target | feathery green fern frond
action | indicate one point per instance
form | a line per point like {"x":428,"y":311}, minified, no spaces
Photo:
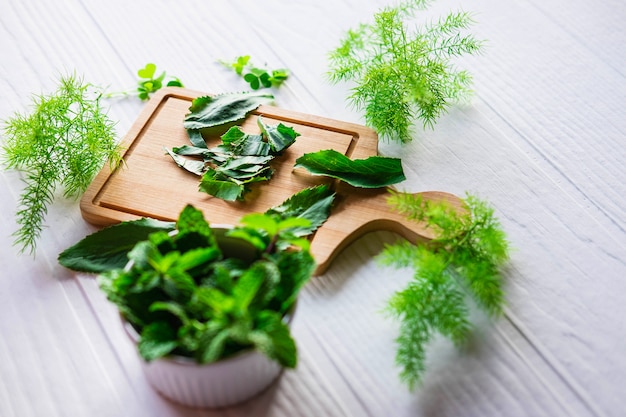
{"x":63,"y":142}
{"x":465,"y":258}
{"x":403,"y":73}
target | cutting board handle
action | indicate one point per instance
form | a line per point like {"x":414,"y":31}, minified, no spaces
{"x":361,"y":211}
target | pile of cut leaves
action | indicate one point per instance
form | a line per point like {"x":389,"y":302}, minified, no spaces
{"x":242,"y":159}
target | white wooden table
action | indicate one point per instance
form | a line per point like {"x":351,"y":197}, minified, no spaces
{"x":542,"y":140}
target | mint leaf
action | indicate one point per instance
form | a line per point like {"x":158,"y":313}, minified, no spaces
{"x":372,"y":172}
{"x":219,"y":110}
{"x":296,"y":267}
{"x":157,"y":340}
{"x":312,"y":204}
{"x":106,"y":249}
{"x":273,"y":338}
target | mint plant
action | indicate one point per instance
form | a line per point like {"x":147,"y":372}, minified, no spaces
{"x":186,"y":296}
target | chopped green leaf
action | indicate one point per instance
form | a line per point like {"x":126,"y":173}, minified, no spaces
{"x":193,"y":166}
{"x":279,"y":137}
{"x":220,"y":110}
{"x":223,"y":189}
{"x":196,"y":139}
{"x":372,"y":172}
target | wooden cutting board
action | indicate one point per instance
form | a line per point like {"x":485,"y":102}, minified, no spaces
{"x":150,"y":184}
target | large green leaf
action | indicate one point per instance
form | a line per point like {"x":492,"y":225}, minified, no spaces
{"x":372,"y":172}
{"x":106,"y":249}
{"x":312,"y":204}
{"x":211,"y":111}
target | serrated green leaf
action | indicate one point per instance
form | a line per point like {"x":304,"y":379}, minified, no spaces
{"x":212,"y":351}
{"x":279,"y":137}
{"x":261,"y":222}
{"x":372,"y":172}
{"x":313,"y":204}
{"x":226,"y":190}
{"x":207,"y":112}
{"x":233,"y":135}
{"x":107,"y":248}
{"x":190,"y":165}
{"x":248,"y":285}
{"x":272,"y":337}
{"x":172,"y":307}
{"x":196,"y":138}
{"x":216,"y":300}
{"x":296,"y":267}
{"x":157,"y":340}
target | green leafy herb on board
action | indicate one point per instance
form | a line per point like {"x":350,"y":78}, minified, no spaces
{"x":108,"y":248}
{"x":255,"y":76}
{"x":372,"y":172}
{"x":404,"y":73}
{"x":63,"y":143}
{"x":186,"y":295}
{"x":240,"y":160}
{"x":466,"y":257}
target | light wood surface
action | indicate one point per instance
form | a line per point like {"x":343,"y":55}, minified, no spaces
{"x":543,"y":139}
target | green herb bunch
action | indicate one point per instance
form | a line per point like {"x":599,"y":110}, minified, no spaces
{"x":255,"y":76}
{"x":465,"y":258}
{"x":403,"y":73}
{"x":63,"y":143}
{"x":187,"y":295}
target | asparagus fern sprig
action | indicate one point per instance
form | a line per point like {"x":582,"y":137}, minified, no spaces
{"x":403,"y":73}
{"x":62,"y":143}
{"x":466,"y":257}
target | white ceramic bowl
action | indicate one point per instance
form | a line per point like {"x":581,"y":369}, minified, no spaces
{"x":219,"y":384}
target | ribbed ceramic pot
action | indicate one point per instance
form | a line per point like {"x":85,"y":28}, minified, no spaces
{"x":219,"y":384}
